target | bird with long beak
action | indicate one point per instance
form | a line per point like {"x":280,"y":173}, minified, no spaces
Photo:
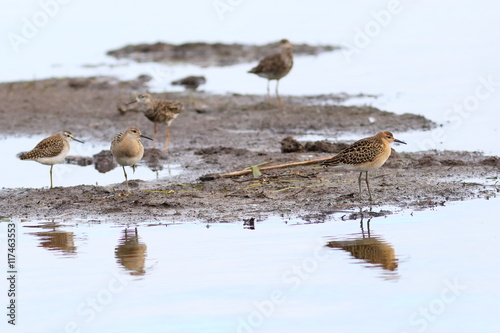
{"x":364,"y":155}
{"x":51,"y":150}
{"x":159,"y":112}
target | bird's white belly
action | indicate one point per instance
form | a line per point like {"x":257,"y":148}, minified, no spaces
{"x":269,"y":76}
{"x":128,"y":161}
{"x":55,"y":159}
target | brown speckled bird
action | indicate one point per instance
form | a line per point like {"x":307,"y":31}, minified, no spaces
{"x":275,"y":67}
{"x":364,"y":155}
{"x":158,"y":111}
{"x":127,"y":149}
{"x":51,"y":150}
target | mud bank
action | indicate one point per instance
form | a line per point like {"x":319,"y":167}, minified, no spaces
{"x":206,"y":54}
{"x":223,"y":133}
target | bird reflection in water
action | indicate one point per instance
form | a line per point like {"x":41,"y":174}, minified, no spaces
{"x":131,"y":253}
{"x":56,"y":240}
{"x":369,"y":248}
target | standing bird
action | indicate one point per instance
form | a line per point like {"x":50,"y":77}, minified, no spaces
{"x":275,"y":66}
{"x":127,"y":149}
{"x":158,"y":111}
{"x":364,"y":155}
{"x":51,"y":150}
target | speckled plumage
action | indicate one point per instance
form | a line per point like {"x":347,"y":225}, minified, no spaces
{"x":51,"y":150}
{"x":54,"y":148}
{"x":275,"y":66}
{"x":127,"y":149}
{"x":364,"y":155}
{"x":159,"y":111}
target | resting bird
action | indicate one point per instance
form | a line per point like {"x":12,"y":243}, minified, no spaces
{"x":190,"y":82}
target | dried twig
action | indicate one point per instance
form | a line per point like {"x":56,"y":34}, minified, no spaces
{"x":279,"y":166}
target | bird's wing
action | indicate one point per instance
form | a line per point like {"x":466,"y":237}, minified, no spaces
{"x":267,"y":64}
{"x":354,"y":154}
{"x":174,"y":107}
{"x":50,"y":147}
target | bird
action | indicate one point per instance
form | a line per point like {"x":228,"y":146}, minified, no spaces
{"x":158,"y":111}
{"x":190,"y":82}
{"x":51,"y":150}
{"x":127,"y":149}
{"x":364,"y":155}
{"x":275,"y":67}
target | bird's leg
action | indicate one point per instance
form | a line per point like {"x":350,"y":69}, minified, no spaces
{"x":368,"y":185}
{"x":359,"y":184}
{"x":51,"y":176}
{"x":268,"y":93}
{"x":280,"y":102}
{"x":154,"y":136}
{"x":167,"y":139}
{"x":126,"y":178}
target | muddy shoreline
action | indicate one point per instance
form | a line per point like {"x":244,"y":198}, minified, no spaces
{"x":224,"y":133}
{"x":209,"y":54}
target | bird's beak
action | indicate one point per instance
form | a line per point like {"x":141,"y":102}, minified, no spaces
{"x":78,"y":140}
{"x":131,"y":102}
{"x":399,"y":141}
{"x":146,"y":137}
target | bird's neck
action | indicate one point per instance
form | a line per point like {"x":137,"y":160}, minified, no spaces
{"x":286,"y":52}
{"x":287,"y":57}
{"x":146,"y":106}
{"x":387,"y":148}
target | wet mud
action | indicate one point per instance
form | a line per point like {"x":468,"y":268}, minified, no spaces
{"x":217,"y":134}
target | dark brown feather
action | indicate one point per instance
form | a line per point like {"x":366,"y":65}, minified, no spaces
{"x":357,"y":153}
{"x":162,"y":111}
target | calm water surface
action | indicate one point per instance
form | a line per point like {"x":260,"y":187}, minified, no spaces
{"x":432,"y":271}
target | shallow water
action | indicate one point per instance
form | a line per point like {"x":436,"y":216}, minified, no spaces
{"x":33,"y":174}
{"x":432,"y":271}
